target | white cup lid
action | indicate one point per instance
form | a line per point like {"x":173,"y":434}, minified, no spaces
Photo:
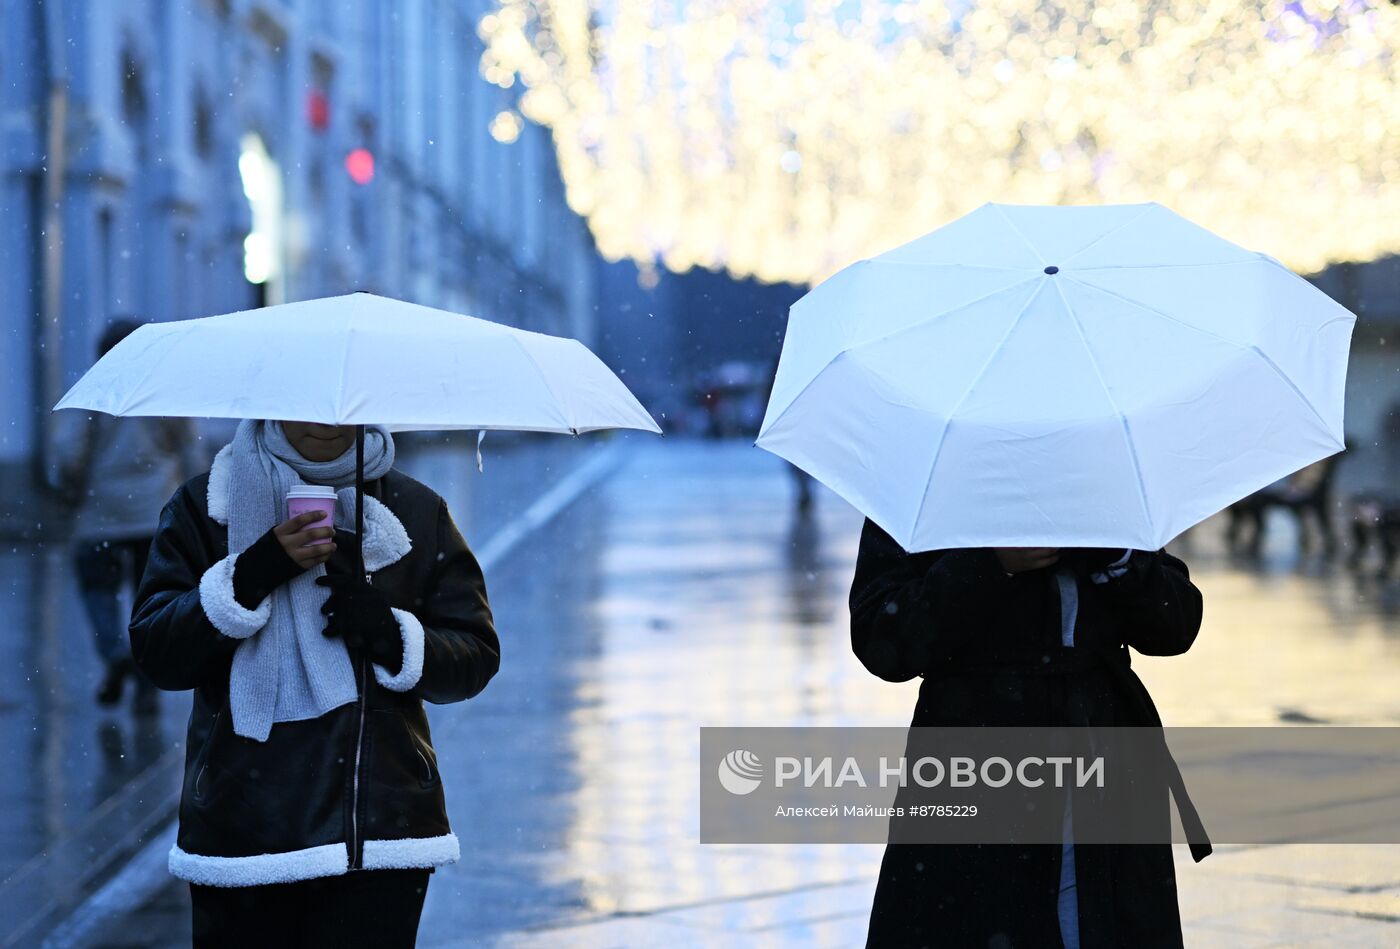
{"x":311,"y":491}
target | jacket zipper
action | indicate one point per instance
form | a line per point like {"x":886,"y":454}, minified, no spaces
{"x":356,"y":854}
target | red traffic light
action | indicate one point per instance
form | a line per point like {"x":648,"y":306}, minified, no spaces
{"x":359,"y":164}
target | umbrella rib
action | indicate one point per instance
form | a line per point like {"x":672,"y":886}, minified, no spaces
{"x":942,"y":313}
{"x":1294,"y":386}
{"x":880,"y":339}
{"x":340,"y":386}
{"x":800,"y":392}
{"x":1202,"y":263}
{"x":1236,"y":343}
{"x":1122,"y":417}
{"x":972,"y":384}
{"x":155,"y":364}
{"x":544,"y":380}
{"x":1111,"y":231}
{"x":939,"y":263}
{"x":1019,"y":233}
{"x":1154,"y":311}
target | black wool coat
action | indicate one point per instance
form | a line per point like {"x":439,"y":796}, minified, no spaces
{"x":358,"y":787}
{"x":977,"y":637}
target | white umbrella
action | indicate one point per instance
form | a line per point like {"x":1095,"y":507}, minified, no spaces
{"x":359,"y":359}
{"x":1058,"y":376}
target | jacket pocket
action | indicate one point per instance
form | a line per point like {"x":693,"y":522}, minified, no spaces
{"x":428,"y":774}
{"x":201,"y":774}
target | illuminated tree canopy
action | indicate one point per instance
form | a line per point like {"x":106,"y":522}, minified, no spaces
{"x":785,"y":140}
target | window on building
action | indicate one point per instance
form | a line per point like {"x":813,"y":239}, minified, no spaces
{"x":203,"y":125}
{"x":133,"y":88}
{"x":361,"y":173}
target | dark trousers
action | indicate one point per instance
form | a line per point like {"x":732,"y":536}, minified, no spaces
{"x":102,"y":567}
{"x":365,"y":908}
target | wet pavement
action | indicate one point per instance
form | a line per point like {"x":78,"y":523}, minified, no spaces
{"x":89,"y":786}
{"x":684,"y":591}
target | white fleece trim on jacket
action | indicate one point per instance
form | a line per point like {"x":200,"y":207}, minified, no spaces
{"x":217,"y":497}
{"x":229,"y":616}
{"x":311,"y":863}
{"x":328,"y":860}
{"x":411,"y":852}
{"x":386,"y":540}
{"x":411,"y":629}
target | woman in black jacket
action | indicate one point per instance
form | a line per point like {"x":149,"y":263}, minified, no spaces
{"x":312,"y":810}
{"x":1024,"y":637}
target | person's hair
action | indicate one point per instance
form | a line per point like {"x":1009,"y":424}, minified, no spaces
{"x":118,"y":329}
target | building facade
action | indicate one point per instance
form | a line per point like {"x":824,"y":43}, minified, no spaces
{"x":179,"y":158}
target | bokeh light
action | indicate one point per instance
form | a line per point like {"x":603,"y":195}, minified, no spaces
{"x":359,"y":165}
{"x":505,"y":127}
{"x":786,"y":140}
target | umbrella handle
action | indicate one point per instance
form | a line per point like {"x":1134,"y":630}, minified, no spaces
{"x":359,"y":500}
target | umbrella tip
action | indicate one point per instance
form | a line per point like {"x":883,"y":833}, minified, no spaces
{"x":1052,"y":270}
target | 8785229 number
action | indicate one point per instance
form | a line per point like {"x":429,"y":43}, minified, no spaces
{"x":942,"y":810}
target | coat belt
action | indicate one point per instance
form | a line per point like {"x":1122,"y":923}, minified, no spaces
{"x":1062,"y":661}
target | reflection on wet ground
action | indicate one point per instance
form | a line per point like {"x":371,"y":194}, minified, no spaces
{"x":684,"y":591}
{"x":1289,"y":639}
{"x":80,"y":779}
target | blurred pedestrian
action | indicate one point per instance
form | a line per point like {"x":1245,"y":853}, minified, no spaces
{"x":312,"y":811}
{"x":1023,"y":637}
{"x":121,"y":472}
{"x":801,"y":480}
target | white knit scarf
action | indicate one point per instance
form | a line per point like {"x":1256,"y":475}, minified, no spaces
{"x":290,"y":671}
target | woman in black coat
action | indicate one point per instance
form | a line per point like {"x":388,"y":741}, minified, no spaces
{"x":312,"y":810}
{"x":1014,"y":637}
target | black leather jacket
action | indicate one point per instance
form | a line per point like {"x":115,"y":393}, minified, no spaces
{"x":358,"y":787}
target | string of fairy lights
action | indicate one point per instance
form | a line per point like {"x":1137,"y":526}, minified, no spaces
{"x":785,"y":140}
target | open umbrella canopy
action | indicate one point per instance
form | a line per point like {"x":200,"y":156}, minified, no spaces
{"x":360,"y":359}
{"x":1058,"y":376}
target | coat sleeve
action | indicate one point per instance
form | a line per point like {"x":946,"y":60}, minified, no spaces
{"x":173,"y":640}
{"x":459,"y":648}
{"x":908,"y":614}
{"x":1159,"y":606}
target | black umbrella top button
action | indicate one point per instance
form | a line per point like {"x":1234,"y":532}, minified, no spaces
{"x":1052,"y":269}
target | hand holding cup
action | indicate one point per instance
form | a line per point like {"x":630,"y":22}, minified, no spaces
{"x":281,"y":554}
{"x":307,"y":545}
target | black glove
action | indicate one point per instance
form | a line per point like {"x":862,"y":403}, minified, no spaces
{"x":359,"y":614}
{"x":262,"y":568}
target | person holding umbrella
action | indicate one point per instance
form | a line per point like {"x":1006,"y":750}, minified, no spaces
{"x":1017,"y":636}
{"x":1029,"y":403}
{"x":312,"y":811}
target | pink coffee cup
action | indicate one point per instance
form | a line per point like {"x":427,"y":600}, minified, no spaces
{"x":313,"y":497}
